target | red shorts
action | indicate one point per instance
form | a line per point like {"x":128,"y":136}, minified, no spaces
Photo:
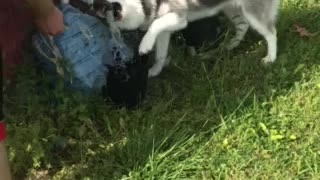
{"x":14,"y":21}
{"x":2,"y":131}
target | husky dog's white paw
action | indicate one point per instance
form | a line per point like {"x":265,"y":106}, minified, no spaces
{"x":155,"y":70}
{"x":267,"y":60}
{"x":146,"y":44}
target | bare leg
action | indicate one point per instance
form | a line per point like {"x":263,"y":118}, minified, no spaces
{"x":4,"y":164}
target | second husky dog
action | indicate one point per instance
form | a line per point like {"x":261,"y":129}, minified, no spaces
{"x":160,"y":18}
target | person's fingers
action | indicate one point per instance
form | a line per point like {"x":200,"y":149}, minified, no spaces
{"x":53,"y":24}
{"x":57,"y":25}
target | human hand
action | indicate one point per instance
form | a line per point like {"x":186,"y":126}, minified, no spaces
{"x":52,"y":24}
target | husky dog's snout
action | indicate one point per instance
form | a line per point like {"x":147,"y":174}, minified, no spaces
{"x":117,"y":11}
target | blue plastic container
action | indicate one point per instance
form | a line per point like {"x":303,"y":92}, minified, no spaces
{"x":85,"y":47}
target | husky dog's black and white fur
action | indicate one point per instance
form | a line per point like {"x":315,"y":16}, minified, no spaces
{"x":162,"y":17}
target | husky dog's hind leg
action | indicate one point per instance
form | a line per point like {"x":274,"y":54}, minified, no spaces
{"x":261,"y":15}
{"x":235,"y":14}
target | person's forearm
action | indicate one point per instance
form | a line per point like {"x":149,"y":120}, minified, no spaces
{"x":40,"y":8}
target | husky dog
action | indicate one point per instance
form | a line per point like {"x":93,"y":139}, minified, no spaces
{"x":160,"y":18}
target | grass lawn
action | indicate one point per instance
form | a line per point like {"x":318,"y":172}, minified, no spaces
{"x":221,"y":115}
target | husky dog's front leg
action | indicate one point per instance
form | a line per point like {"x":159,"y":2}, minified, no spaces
{"x":169,"y":22}
{"x":162,"y":45}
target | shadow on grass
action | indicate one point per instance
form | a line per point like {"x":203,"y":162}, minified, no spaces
{"x":75,"y":137}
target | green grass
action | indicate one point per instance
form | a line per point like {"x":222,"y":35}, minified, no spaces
{"x":218,"y":116}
